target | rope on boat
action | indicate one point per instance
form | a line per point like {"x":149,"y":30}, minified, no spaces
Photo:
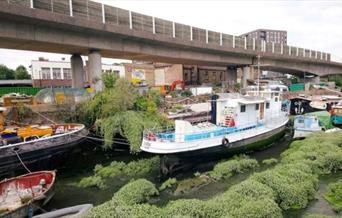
{"x":105,"y":140}
{"x":21,"y":161}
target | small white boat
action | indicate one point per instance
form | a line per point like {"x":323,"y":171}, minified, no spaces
{"x":305,"y":125}
{"x":68,"y":212}
{"x":319,"y":105}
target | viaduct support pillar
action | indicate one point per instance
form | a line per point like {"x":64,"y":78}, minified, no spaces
{"x":231,"y":75}
{"x":245,"y":76}
{"x":317,"y":79}
{"x":76,"y":71}
{"x":95,"y":70}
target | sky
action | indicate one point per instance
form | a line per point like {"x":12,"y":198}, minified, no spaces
{"x":314,"y":24}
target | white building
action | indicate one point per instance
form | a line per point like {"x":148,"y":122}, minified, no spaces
{"x":47,"y":73}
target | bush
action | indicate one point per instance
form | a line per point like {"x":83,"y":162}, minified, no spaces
{"x":118,"y":209}
{"x":270,"y":161}
{"x":334,"y":195}
{"x":169,"y":183}
{"x":249,"y":199}
{"x":290,"y":194}
{"x":257,"y":209}
{"x":228,"y":168}
{"x":134,"y":169}
{"x":138,"y":191}
{"x":192,"y":208}
{"x":291,"y":184}
{"x":318,"y":216}
{"x":336,"y":189}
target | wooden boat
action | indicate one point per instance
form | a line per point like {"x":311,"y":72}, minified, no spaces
{"x":75,"y":211}
{"x":37,"y":147}
{"x":21,"y":195}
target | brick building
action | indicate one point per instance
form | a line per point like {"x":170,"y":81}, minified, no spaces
{"x":276,"y":36}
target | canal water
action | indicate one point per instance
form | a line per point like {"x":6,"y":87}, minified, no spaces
{"x":68,"y":193}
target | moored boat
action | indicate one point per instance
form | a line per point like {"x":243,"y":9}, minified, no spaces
{"x":309,"y":123}
{"x":238,"y":122}
{"x":336,"y":114}
{"x":74,"y":211}
{"x":37,"y":147}
{"x":21,"y":195}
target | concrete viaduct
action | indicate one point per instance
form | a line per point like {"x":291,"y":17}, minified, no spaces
{"x":83,"y":27}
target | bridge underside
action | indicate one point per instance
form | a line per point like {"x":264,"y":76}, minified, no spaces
{"x":37,"y":30}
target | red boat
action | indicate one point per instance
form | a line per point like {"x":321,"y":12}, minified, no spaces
{"x":24,"y":194}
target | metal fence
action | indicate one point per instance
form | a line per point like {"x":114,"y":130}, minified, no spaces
{"x":98,"y":12}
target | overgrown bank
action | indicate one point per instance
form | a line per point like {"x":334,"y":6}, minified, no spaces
{"x":120,"y":110}
{"x":291,"y":184}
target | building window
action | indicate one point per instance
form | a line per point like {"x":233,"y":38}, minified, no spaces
{"x":46,"y":73}
{"x":243,"y":108}
{"x":56,"y":72}
{"x":257,"y":107}
{"x":116,"y":73}
{"x":267,"y":105}
{"x":67,"y":73}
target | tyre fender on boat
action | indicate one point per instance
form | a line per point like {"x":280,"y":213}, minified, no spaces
{"x":225,"y":142}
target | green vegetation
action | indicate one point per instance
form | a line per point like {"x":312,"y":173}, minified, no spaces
{"x":291,"y":184}
{"x":228,"y":168}
{"x":6,"y":73}
{"x":127,"y":202}
{"x":134,"y":169}
{"x":337,"y":79}
{"x":270,"y":161}
{"x":169,"y":183}
{"x":119,"y":109}
{"x":19,"y":73}
{"x":318,"y":216}
{"x":136,"y":192}
{"x":334,"y":196}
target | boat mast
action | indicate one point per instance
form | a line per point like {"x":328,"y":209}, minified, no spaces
{"x":258,"y":87}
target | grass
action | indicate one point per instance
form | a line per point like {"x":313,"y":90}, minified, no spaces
{"x":331,"y":198}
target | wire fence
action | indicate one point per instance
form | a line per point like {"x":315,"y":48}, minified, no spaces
{"x":98,"y":12}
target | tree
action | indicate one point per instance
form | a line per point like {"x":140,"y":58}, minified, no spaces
{"x":6,"y":73}
{"x":21,"y":73}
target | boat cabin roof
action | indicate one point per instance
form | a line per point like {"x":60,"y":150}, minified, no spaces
{"x":241,"y":99}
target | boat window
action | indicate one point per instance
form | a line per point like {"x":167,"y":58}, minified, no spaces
{"x":257,"y":107}
{"x":267,"y":105}
{"x":276,"y":99}
{"x":243,"y":108}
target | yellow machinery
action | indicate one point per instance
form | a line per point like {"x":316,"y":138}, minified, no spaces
{"x":29,"y":131}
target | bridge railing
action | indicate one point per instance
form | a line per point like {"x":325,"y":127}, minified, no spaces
{"x":99,"y":12}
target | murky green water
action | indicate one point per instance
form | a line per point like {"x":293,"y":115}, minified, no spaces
{"x":80,"y":165}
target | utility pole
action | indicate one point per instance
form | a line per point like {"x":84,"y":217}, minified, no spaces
{"x":258,"y":88}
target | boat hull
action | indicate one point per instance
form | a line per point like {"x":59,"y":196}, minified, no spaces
{"x":245,"y":145}
{"x":43,"y":154}
{"x":27,"y":210}
{"x":172,"y":163}
{"x":300,"y":134}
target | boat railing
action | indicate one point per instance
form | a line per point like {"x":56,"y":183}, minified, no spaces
{"x":168,"y":135}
